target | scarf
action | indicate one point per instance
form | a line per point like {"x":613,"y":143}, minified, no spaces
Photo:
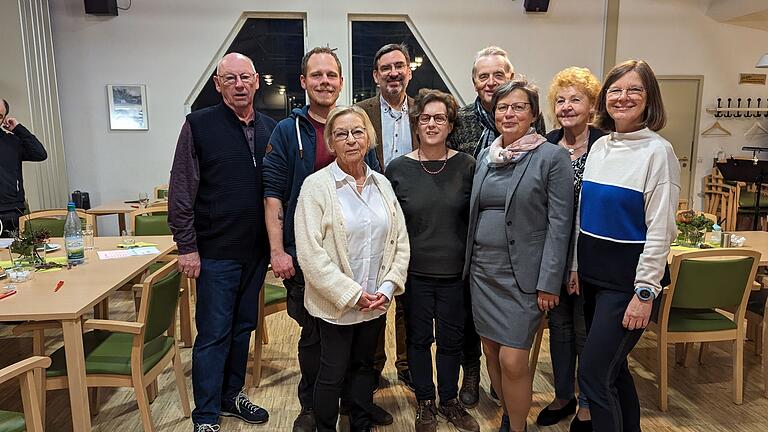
{"x":489,"y":127}
{"x":499,"y":156}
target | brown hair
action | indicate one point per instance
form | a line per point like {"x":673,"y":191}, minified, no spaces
{"x":519,"y":84}
{"x":426,"y":96}
{"x":654,"y":116}
{"x":319,"y":50}
{"x":388,"y":48}
{"x":339,"y":111}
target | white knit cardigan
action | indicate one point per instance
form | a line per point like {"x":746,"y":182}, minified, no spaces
{"x":323,"y":252}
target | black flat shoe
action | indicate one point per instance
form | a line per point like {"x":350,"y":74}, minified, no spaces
{"x":581,"y":425}
{"x":549,"y":417}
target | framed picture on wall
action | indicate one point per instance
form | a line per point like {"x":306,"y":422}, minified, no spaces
{"x":127,"y":107}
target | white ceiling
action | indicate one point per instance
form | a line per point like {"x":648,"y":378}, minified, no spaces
{"x":746,"y":13}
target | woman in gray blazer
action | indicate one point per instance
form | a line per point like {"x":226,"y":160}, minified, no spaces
{"x":520,"y":222}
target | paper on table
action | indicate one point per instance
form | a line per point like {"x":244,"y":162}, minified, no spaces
{"x":135,"y":245}
{"x":125,"y":253}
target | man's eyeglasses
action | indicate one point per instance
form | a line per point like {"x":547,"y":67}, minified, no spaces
{"x":231,"y":79}
{"x":340,"y":135}
{"x":518,"y":107}
{"x":398,"y":67}
{"x":440,"y":119}
{"x":614,"y":93}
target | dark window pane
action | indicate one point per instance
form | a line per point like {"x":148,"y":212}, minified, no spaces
{"x":276,"y":47}
{"x":368,"y":37}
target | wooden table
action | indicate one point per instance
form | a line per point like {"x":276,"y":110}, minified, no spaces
{"x":119,"y":208}
{"x":757,"y":240}
{"x":84,"y":286}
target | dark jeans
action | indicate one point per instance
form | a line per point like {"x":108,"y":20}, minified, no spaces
{"x":10,"y":220}
{"x":309,"y":339}
{"x":346,"y":365}
{"x":471,"y":351}
{"x":603,"y":372}
{"x":439,"y":303}
{"x":567,"y":335}
{"x":401,"y":363}
{"x":226,"y":314}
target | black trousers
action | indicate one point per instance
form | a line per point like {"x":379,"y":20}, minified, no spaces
{"x":603,"y":370}
{"x":346,"y":366}
{"x":10,"y":220}
{"x":471,"y":351}
{"x":434,"y":303}
{"x":309,"y":339}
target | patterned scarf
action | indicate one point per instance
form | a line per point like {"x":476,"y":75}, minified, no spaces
{"x":499,"y":156}
{"x":489,"y":127}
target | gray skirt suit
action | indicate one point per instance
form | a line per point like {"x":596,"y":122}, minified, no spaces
{"x":520,"y":225}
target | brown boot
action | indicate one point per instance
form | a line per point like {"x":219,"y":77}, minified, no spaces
{"x":454,"y":412}
{"x":426,"y":416}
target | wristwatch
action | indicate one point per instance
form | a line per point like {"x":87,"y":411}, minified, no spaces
{"x":645,"y":294}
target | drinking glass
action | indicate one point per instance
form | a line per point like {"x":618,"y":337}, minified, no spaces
{"x":126,"y":238}
{"x":88,"y":236}
{"x":144,"y":199}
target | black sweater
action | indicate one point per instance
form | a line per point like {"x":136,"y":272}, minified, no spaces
{"x":16,"y":147}
{"x":436,"y":209}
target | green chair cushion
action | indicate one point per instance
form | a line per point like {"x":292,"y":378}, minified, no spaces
{"x":110,"y":353}
{"x":747,"y":200}
{"x":155,"y":266}
{"x":274,"y":294}
{"x":12,"y":422}
{"x":698,"y":320}
{"x":55,"y":226}
{"x":154,"y":224}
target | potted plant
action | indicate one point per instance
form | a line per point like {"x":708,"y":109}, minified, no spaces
{"x":25,"y":247}
{"x":692,"y":228}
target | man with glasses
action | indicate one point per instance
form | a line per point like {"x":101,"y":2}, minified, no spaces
{"x":388,"y":112}
{"x":297,"y":149}
{"x":216,"y":214}
{"x":477,"y":130}
{"x":16,"y":145}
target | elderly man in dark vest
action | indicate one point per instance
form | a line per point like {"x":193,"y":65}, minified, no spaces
{"x":216,"y":214}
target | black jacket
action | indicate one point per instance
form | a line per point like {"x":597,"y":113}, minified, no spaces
{"x":15,"y":148}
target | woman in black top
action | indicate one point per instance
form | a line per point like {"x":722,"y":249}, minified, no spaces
{"x":433,"y":185}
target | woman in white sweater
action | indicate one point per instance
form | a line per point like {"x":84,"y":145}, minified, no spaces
{"x":352,"y":244}
{"x":628,"y":200}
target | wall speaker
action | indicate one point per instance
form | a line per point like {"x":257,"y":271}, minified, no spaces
{"x":101,"y":7}
{"x":536,"y":5}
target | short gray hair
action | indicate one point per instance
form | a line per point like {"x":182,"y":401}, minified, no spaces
{"x":518,"y":84}
{"x":492,"y":51}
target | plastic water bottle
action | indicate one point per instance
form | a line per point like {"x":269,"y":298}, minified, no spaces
{"x":73,"y":237}
{"x":717,"y":236}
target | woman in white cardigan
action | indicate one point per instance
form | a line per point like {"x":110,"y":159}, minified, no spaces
{"x":352,"y":244}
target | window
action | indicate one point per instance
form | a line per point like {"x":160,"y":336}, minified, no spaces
{"x":368,"y":37}
{"x":276,"y":47}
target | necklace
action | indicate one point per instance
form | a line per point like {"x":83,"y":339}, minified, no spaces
{"x":445,"y":162}
{"x":572,"y":150}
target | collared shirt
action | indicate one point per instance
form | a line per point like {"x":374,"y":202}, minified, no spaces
{"x":366,"y":224}
{"x":395,"y":131}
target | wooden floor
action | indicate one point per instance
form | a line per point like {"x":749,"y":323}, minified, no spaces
{"x":699,"y":400}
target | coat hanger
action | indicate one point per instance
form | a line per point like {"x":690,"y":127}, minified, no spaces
{"x":756,"y":129}
{"x":716,"y":130}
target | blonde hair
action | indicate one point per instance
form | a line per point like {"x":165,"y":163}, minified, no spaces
{"x":339,"y":111}
{"x":581,"y":78}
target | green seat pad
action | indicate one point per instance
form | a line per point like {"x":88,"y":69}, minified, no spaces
{"x":155,"y":266}
{"x":274,"y":294}
{"x":698,"y":320}
{"x":154,"y":224}
{"x":110,"y":353}
{"x":11,"y":422}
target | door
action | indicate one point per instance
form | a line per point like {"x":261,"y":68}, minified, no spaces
{"x":681,"y":97}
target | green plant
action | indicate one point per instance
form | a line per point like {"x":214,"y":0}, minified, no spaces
{"x":26,"y":243}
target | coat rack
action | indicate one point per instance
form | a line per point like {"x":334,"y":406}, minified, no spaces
{"x":748,"y":111}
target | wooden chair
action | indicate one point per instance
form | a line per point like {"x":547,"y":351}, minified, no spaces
{"x":272,"y":299}
{"x":28,"y":371}
{"x":758,"y":319}
{"x":703,"y":283}
{"x":720,"y":199}
{"x":130,"y":354}
{"x":53,"y":220}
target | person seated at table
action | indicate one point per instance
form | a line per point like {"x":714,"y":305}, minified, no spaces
{"x":352,"y":244}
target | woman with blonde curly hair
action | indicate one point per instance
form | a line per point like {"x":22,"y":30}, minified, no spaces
{"x":573,"y":97}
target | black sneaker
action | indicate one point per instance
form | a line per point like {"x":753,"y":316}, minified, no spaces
{"x":241,"y":407}
{"x":469,"y":395}
{"x":549,"y":416}
{"x":205,"y":427}
{"x":404,"y":376}
{"x":453,"y":411}
{"x":305,"y":421}
{"x":426,"y":416}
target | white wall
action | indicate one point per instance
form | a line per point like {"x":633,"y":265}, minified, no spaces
{"x":676,"y":38}
{"x":168,"y":44}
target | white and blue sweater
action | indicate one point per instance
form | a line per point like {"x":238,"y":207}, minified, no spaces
{"x":627,"y":211}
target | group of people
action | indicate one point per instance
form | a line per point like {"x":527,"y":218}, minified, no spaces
{"x":466,"y":218}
